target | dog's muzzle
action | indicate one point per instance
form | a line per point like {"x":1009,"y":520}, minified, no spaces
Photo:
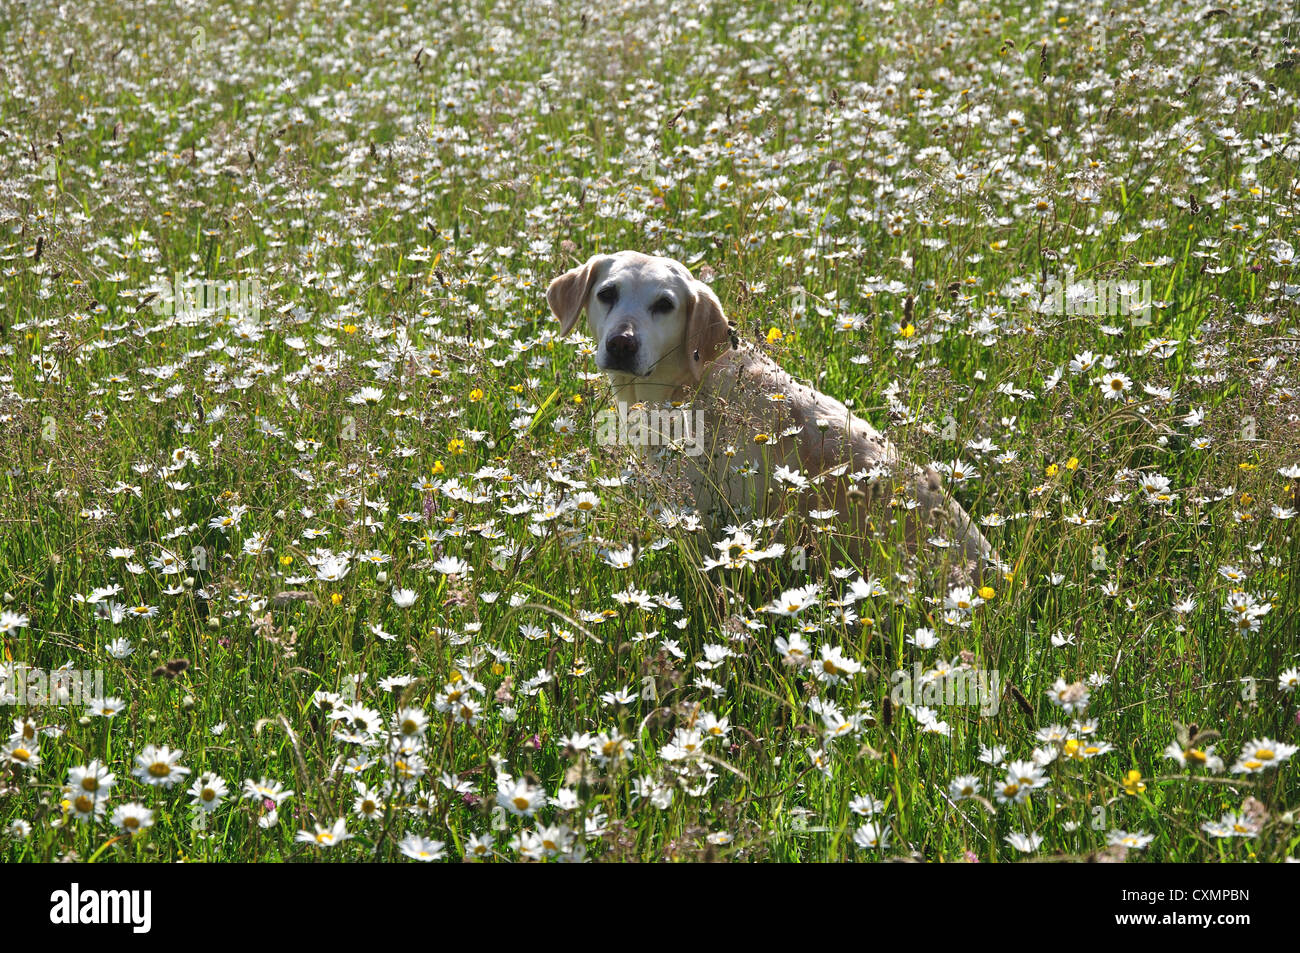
{"x":621,"y":348}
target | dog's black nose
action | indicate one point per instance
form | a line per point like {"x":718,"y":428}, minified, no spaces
{"x":621,"y":346}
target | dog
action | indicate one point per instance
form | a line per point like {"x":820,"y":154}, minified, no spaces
{"x":766,"y":444}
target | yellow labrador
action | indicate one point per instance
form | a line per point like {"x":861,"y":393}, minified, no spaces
{"x":750,"y":440}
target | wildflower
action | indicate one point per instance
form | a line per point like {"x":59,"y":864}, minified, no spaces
{"x":834,"y":665}
{"x":1115,"y":385}
{"x":21,"y":753}
{"x":422,"y":848}
{"x":519,"y":797}
{"x":1132,"y":783}
{"x":1025,"y":843}
{"x":1138,"y":840}
{"x":1070,"y":698}
{"x":962,"y":599}
{"x":1232,"y":824}
{"x":266,"y":790}
{"x":208,"y":791}
{"x":132,"y":818}
{"x":871,"y":835}
{"x":1260,"y":754}
{"x":793,"y":601}
{"x":325,"y":836}
{"x":11,"y":622}
{"x":159,"y":766}
{"x":794,"y":651}
{"x":119,"y":648}
{"x":964,"y":786}
{"x":93,"y":779}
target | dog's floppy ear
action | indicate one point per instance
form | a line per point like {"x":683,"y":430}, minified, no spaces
{"x":567,"y":294}
{"x":707,"y":331}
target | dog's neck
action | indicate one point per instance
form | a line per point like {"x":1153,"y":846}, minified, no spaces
{"x":634,"y":390}
{"x":630,"y":389}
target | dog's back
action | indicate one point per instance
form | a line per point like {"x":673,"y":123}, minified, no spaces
{"x":770,"y":445}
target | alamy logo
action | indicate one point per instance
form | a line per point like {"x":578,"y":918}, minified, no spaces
{"x":1089,"y":296}
{"x":26,"y":686}
{"x":77,"y":906}
{"x":637,"y":425}
{"x":1098,"y":298}
{"x":960,"y":686}
{"x":194,"y":296}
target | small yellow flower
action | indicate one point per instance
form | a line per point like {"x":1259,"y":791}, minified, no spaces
{"x":1053,"y":470}
{"x":337,"y":598}
{"x":908,"y":330}
{"x":476,"y":395}
{"x":987,"y":593}
{"x":349,"y":329}
{"x":455,"y":446}
{"x":438,"y":467}
{"x":774,"y":334}
{"x":1072,"y":463}
{"x":286,"y":560}
{"x":761,"y":438}
{"x":1133,"y":783}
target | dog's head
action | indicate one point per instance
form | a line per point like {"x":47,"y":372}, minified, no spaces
{"x":651,"y":319}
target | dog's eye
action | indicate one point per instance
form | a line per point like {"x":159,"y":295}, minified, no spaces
{"x":662,"y":306}
{"x":608,"y":294}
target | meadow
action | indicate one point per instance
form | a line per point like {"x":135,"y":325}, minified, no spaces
{"x":309,"y":549}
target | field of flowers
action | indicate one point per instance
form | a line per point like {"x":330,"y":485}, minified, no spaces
{"x":308,"y":548}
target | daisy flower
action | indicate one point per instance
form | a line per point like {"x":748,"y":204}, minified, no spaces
{"x":1025,"y":843}
{"x":207,"y":792}
{"x":132,"y":818}
{"x":325,"y":836}
{"x":159,"y":766}
{"x":871,"y":835}
{"x":1138,"y":840}
{"x":422,"y":848}
{"x":266,"y":790}
{"x":1115,"y":384}
{"x":519,"y":797}
{"x":1260,"y":754}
